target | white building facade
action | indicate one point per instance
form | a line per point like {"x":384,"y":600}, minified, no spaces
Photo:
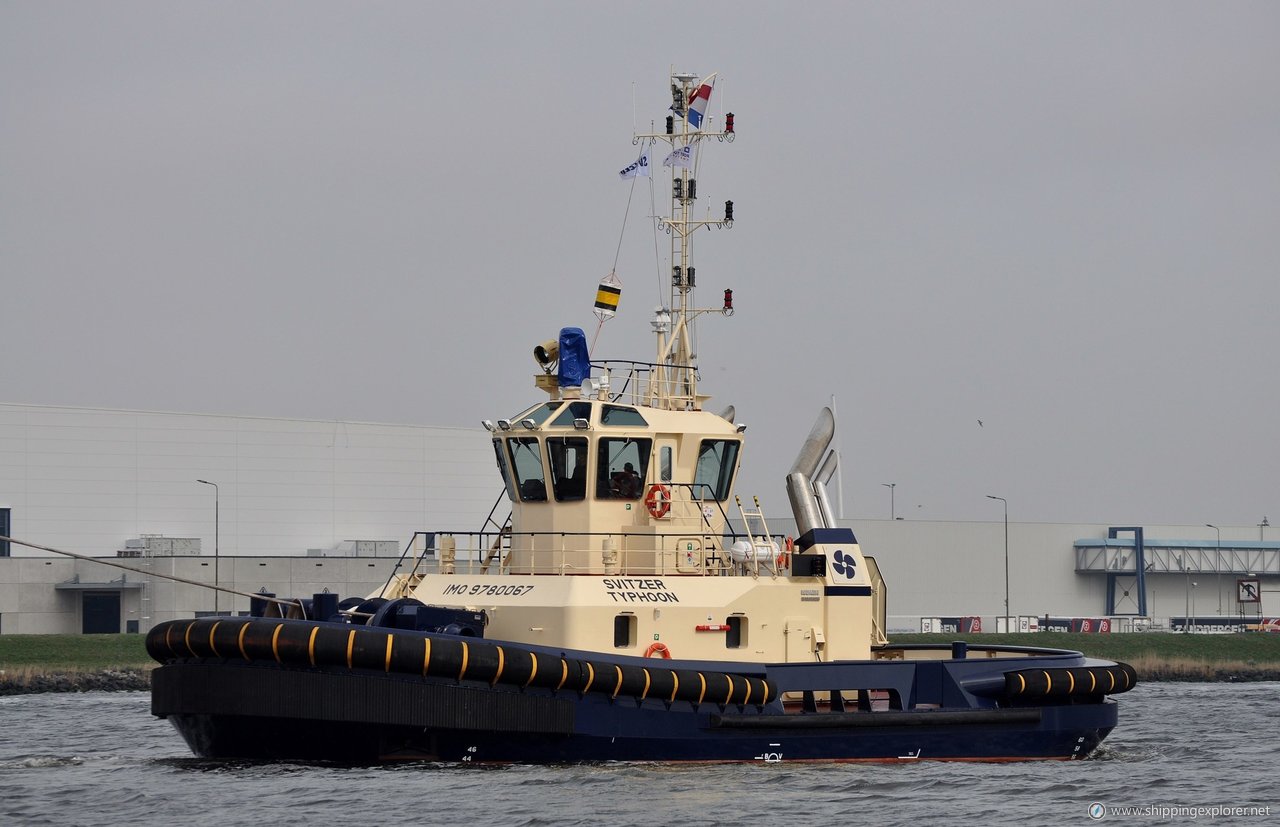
{"x":90,"y":481}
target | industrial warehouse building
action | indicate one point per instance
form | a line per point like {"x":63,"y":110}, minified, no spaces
{"x":292,"y":507}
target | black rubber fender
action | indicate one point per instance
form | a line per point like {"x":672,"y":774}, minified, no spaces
{"x":1070,"y":682}
{"x":303,"y":644}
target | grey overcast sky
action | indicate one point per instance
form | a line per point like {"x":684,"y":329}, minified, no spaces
{"x":1061,"y":219}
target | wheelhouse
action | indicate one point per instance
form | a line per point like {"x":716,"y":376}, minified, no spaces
{"x":578,"y":451}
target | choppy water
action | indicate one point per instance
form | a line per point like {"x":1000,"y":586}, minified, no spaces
{"x":100,"y":758}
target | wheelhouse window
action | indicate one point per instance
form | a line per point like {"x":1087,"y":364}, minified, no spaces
{"x":538,"y":413}
{"x":622,"y":467}
{"x":574,"y":410}
{"x":616,"y":416}
{"x":526,"y":465}
{"x":504,"y":468}
{"x":665,"y":463}
{"x":717,"y":460}
{"x":568,"y":458}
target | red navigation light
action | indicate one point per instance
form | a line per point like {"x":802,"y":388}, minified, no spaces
{"x":728,"y":299}
{"x":728,"y":122}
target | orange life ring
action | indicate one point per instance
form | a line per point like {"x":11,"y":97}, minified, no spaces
{"x":658,"y":501}
{"x":658,"y":649}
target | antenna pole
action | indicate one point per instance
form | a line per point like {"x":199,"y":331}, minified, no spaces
{"x":675,"y":381}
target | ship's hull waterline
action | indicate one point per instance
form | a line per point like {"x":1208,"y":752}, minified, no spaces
{"x":305,"y":690}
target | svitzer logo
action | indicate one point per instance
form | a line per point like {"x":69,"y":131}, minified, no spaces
{"x":641,"y":163}
{"x":844,"y":564}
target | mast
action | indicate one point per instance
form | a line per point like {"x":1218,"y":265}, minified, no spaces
{"x":674,"y":385}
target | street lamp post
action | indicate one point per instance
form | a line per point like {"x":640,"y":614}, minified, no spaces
{"x":1186,"y":593}
{"x":216,"y":555}
{"x":892,"y":510}
{"x":1217,"y":563}
{"x":1006,"y":558}
{"x":1261,"y":527}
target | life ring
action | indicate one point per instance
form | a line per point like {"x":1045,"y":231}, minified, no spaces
{"x":659,"y":649}
{"x":658,"y":501}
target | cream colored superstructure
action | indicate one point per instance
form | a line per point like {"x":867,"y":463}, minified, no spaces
{"x":779,"y":618}
{"x":618,"y":571}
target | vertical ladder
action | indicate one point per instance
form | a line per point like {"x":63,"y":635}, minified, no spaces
{"x":765,"y":537}
{"x":496,"y":549}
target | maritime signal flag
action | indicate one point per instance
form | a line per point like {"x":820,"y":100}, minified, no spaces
{"x":698,"y":101}
{"x":607,"y":295}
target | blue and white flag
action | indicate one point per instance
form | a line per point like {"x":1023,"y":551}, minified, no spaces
{"x":638,"y":169}
{"x":682,"y":157}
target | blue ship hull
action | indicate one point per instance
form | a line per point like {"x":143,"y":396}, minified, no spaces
{"x":242,"y":691}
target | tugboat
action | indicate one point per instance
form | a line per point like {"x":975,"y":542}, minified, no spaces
{"x":618,"y":613}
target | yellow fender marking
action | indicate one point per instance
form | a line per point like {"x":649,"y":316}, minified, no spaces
{"x":502,"y":660}
{"x":186,"y":638}
{"x":1071,"y":682}
{"x":351,"y":643}
{"x":387,"y":666}
{"x":617,"y":688}
{"x":676,"y":686}
{"x":591,"y":677}
{"x":311,"y":645}
{"x":533,"y":670}
{"x":1048,"y":681}
{"x":240,"y":639}
{"x":466,"y":654}
{"x":426,"y":655}
{"x":645,"y":693}
{"x":703,"y":693}
{"x":1111,"y":674}
{"x":275,"y":636}
{"x":213,"y":629}
{"x":1022,"y":683}
{"x":564,"y":673}
{"x":729,"y":697}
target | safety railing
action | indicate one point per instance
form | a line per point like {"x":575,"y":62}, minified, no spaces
{"x":647,"y":383}
{"x":686,"y":550}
